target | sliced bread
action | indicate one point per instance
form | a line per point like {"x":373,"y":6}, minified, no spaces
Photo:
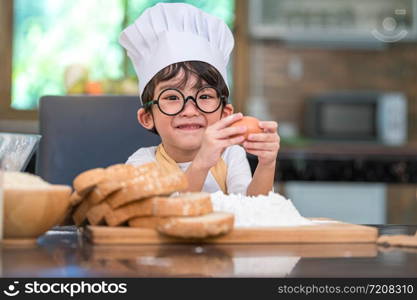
{"x":75,"y":198}
{"x":156,"y":181}
{"x":144,"y":222}
{"x":87,"y":180}
{"x":80,"y":212}
{"x":95,"y":214}
{"x":186,"y":204}
{"x":209,"y":225}
{"x":120,"y":215}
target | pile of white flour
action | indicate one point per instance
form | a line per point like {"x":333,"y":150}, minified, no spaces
{"x":271,"y":210}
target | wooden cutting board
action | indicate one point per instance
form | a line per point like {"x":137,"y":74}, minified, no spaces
{"x":327,"y":231}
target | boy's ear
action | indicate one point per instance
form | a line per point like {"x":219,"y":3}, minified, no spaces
{"x":145,"y":119}
{"x":227,"y":110}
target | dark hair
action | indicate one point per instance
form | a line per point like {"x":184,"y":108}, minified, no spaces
{"x":204,"y":71}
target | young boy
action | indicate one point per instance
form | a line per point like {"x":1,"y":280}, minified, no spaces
{"x":180,"y":55}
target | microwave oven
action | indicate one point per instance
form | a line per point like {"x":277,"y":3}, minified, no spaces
{"x":379,"y":117}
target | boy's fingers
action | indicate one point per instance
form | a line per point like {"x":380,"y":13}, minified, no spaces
{"x":269,"y":126}
{"x":225,"y":122}
{"x":255,"y":152}
{"x":263,"y":137}
{"x":230,"y":131}
{"x":260,"y":146}
{"x":233,"y":141}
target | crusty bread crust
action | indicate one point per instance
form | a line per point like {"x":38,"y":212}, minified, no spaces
{"x":157,"y":181}
{"x":109,"y":179}
{"x":95,"y":214}
{"x":80,"y":211}
{"x":144,"y":222}
{"x":75,"y":198}
{"x":87,"y":180}
{"x":209,"y":225}
{"x":140,"y":208}
{"x":187,"y":204}
{"x":116,"y":178}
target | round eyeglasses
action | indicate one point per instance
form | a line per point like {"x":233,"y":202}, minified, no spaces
{"x":172,"y":101}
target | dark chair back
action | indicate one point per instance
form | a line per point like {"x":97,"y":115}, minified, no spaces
{"x":85,"y":132}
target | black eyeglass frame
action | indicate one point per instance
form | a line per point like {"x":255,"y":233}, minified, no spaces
{"x":223,"y":100}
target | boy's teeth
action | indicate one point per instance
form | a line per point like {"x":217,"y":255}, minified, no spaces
{"x":190,"y":126}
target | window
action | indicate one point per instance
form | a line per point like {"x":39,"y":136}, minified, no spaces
{"x":71,"y":47}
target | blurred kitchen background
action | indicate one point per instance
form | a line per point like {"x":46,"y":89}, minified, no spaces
{"x":339,"y":76}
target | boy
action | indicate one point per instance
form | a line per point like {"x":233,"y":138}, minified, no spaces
{"x":180,"y":55}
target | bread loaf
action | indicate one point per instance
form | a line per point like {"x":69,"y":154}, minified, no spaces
{"x":87,"y":180}
{"x":156,"y":181}
{"x":144,"y":222}
{"x":95,"y":214}
{"x":98,"y":184}
{"x":120,"y":215}
{"x":75,"y":198}
{"x":32,"y":205}
{"x":209,"y":225}
{"x":116,"y":177}
{"x":111,"y":177}
{"x":80,"y":211}
{"x":186,"y":204}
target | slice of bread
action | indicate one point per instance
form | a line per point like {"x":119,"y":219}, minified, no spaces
{"x":95,"y":214}
{"x":87,"y":180}
{"x":186,"y":204}
{"x":115,"y":179}
{"x":144,"y":222}
{"x":80,"y":211}
{"x":75,"y":198}
{"x":155,"y":181}
{"x":104,"y":189}
{"x":209,"y":225}
{"x":140,"y":208}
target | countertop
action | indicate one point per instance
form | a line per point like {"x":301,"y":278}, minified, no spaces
{"x":63,"y":252}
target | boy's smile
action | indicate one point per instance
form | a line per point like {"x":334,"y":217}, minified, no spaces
{"x":190,"y":126}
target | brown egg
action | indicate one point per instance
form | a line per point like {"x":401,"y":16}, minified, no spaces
{"x":251,"y":123}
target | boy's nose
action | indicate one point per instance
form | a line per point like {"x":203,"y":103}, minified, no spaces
{"x":190,"y":109}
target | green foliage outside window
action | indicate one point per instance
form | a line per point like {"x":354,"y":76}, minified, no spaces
{"x":71,"y":47}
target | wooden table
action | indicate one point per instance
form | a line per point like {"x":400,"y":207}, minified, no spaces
{"x":63,"y":252}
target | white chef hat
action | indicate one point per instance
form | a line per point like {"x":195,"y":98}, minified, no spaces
{"x":169,"y":33}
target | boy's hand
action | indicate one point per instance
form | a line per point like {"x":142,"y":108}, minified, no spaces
{"x":218,"y":137}
{"x":264,"y":145}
